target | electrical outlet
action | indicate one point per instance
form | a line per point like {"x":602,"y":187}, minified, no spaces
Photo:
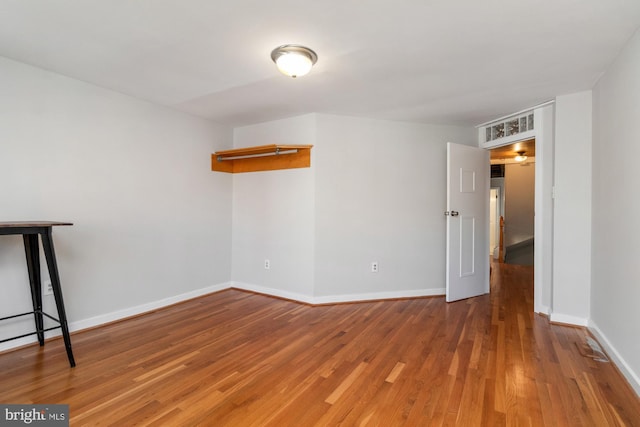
{"x":374,"y":267}
{"x":48,"y":289}
{"x":267,"y":264}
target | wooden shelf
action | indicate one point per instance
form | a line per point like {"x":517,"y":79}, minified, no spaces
{"x":261,"y":158}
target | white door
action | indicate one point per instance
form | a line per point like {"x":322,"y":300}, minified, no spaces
{"x":467,"y":213}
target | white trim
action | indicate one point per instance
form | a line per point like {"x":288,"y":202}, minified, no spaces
{"x":333,"y":299}
{"x":380,"y":296}
{"x":632,"y":378}
{"x":568,"y":320}
{"x":544,"y":119}
{"x":543,"y":309}
{"x":517,"y":113}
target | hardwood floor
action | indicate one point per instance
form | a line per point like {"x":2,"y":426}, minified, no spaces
{"x":240,"y":359}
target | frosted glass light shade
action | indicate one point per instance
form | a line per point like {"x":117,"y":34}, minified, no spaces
{"x":520,"y":157}
{"x":293,"y":64}
{"x":294,"y":60}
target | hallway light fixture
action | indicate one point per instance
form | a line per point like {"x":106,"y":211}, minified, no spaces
{"x":520,"y":157}
{"x":294,"y":60}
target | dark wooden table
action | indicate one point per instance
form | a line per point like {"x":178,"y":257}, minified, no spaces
{"x":30,"y":231}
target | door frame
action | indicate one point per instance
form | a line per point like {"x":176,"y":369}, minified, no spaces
{"x":543,"y":221}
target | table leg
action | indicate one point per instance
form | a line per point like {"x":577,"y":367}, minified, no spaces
{"x":47,"y":244}
{"x":32,"y":252}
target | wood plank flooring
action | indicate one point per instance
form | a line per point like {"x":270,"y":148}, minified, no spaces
{"x":240,"y":359}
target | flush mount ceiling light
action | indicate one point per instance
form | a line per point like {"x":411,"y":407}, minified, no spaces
{"x":520,"y":157}
{"x":294,"y":60}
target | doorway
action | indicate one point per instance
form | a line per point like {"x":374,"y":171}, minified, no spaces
{"x":513,"y":198}
{"x":543,"y":132}
{"x":494,"y":221}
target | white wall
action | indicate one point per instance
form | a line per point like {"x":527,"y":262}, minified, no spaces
{"x":519,"y":188}
{"x":375,"y":192}
{"x":615,"y":291}
{"x":152,"y":222}
{"x":381,"y":196}
{"x":572,"y":209}
{"x":273,"y":215}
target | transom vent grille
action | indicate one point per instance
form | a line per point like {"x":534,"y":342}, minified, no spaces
{"x":497,"y":171}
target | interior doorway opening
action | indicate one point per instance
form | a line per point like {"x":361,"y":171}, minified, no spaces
{"x":492,"y":135}
{"x":512,"y":202}
{"x":494,"y":222}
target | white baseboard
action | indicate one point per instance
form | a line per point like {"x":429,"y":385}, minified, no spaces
{"x":333,"y":299}
{"x":631,"y":376}
{"x":543,"y":309}
{"x":568,"y":320}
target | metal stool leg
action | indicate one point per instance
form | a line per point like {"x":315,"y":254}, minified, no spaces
{"x":33,"y":266}
{"x":47,"y":244}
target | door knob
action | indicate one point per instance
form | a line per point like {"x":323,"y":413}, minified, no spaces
{"x":455,"y":213}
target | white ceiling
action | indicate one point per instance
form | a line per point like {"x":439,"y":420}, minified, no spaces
{"x":426,"y":61}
